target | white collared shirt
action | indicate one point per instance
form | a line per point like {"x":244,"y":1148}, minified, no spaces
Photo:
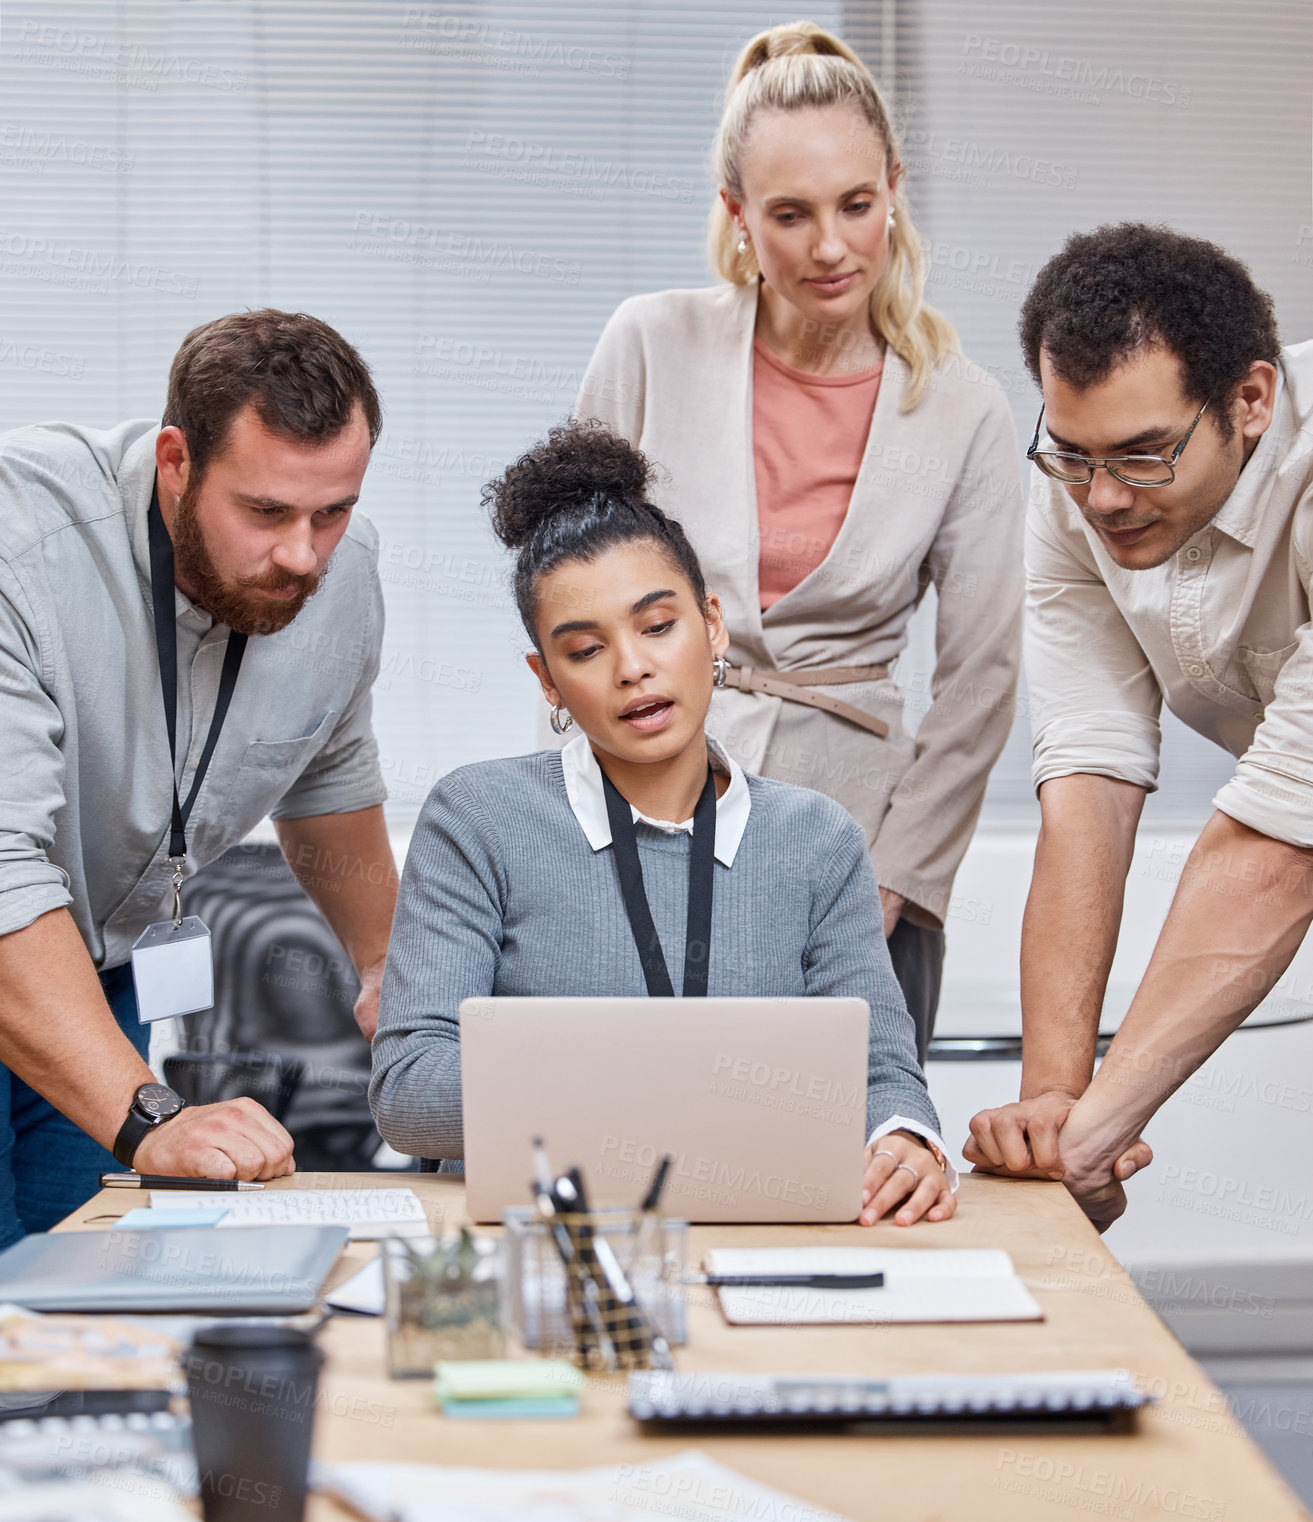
{"x":1220,"y":632}
{"x":584,"y":789}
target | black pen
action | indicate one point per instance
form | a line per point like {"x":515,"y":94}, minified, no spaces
{"x":168,"y":1181}
{"x":653,"y":1196}
{"x":789,"y":1281}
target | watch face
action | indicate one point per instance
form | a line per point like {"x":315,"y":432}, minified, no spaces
{"x":158,"y":1100}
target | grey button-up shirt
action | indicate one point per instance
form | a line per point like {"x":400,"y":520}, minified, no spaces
{"x":85,"y":798}
{"x":1221,"y":632}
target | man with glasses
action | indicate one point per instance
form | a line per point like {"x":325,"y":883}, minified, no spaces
{"x":1169,"y":556}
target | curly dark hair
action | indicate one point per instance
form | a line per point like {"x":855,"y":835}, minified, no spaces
{"x":1129,"y":286}
{"x":580,"y":491}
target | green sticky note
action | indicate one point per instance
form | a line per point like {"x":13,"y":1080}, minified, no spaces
{"x":506,"y":1379}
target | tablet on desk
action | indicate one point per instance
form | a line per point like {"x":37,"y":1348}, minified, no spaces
{"x":760,"y":1102}
{"x":256,"y":1270}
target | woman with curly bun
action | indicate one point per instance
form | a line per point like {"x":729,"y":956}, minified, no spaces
{"x":513,"y":884}
{"x":831,"y":455}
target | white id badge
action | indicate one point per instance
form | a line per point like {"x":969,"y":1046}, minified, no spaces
{"x":173,"y":969}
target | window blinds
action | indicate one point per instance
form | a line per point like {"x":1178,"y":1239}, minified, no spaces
{"x":467,"y":191}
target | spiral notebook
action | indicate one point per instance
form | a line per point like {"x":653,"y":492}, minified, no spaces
{"x":941,"y":1284}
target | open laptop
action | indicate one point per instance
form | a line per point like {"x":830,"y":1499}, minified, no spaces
{"x":760,"y":1102}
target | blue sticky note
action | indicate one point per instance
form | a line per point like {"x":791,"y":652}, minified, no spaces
{"x":522,"y":1408}
{"x":141,"y":1218}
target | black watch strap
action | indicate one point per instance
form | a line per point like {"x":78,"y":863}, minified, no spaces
{"x":152,"y":1105}
{"x":134,"y":1130}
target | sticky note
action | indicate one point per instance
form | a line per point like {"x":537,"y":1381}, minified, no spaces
{"x":141,"y":1219}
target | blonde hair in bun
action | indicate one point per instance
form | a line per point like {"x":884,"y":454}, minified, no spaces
{"x":791,"y":68}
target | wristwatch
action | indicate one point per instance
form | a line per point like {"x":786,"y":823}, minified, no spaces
{"x":152,"y":1105}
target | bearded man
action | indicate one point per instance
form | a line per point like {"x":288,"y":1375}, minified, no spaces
{"x":176,"y":662}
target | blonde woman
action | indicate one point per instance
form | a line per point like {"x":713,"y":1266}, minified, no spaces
{"x":831,"y":454}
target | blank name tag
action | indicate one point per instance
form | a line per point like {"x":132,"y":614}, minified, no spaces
{"x":173,"y":969}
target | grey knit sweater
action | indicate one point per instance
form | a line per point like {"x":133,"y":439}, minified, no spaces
{"x":502,"y":894}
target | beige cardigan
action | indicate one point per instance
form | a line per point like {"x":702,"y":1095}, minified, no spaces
{"x":938,"y":498}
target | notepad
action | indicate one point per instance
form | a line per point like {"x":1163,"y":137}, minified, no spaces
{"x":943,"y":1284}
{"x":368,"y":1213}
{"x":1098,"y":1399}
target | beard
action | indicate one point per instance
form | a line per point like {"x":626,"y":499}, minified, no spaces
{"x":236,"y":603}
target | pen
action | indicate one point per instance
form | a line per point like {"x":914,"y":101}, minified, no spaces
{"x":168,"y":1181}
{"x":789,"y":1281}
{"x":630,"y":1334}
{"x":653,"y":1196}
{"x":576,"y":1304}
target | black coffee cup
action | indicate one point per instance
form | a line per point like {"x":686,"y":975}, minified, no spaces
{"x":252,"y":1391}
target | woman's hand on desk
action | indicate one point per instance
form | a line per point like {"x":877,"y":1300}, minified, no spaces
{"x":901,"y":1168}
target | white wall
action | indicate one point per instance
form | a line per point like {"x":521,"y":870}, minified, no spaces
{"x":1230,"y":1178}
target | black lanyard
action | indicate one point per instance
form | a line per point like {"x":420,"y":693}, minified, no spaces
{"x":701,"y":884}
{"x":166,"y":642}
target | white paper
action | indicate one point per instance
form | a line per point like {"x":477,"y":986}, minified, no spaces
{"x":361,"y":1292}
{"x":142,"y":1499}
{"x":689,"y":1485}
{"x":941,"y":1284}
{"x":370,"y":1213}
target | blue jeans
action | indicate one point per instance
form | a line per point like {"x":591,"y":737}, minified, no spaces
{"x":48,"y":1167}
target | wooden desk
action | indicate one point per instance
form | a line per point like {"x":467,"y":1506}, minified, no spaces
{"x":1189,"y":1458}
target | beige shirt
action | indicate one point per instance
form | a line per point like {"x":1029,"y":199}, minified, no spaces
{"x":937,"y":499}
{"x":1220,"y":632}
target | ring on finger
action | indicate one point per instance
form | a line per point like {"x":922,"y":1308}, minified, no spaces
{"x":884,"y":1152}
{"x":910,"y":1169}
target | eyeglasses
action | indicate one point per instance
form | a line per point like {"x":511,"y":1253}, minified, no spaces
{"x":1133,"y":469}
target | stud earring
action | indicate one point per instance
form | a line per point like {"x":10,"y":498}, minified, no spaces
{"x":560,"y":725}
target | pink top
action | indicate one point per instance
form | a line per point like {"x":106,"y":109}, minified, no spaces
{"x":808,"y":437}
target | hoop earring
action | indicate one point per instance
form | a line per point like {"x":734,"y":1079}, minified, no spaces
{"x":559,"y":727}
{"x":719,"y":671}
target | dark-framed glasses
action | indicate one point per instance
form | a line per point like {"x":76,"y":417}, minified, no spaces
{"x":1133,"y":469}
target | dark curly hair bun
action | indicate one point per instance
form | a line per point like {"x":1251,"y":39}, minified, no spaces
{"x":577,"y":467}
{"x":580,"y":492}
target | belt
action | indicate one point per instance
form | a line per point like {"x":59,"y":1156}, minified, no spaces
{"x":791,"y":686}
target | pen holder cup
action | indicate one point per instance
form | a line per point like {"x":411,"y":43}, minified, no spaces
{"x":561,"y":1313}
{"x":443,"y":1302}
